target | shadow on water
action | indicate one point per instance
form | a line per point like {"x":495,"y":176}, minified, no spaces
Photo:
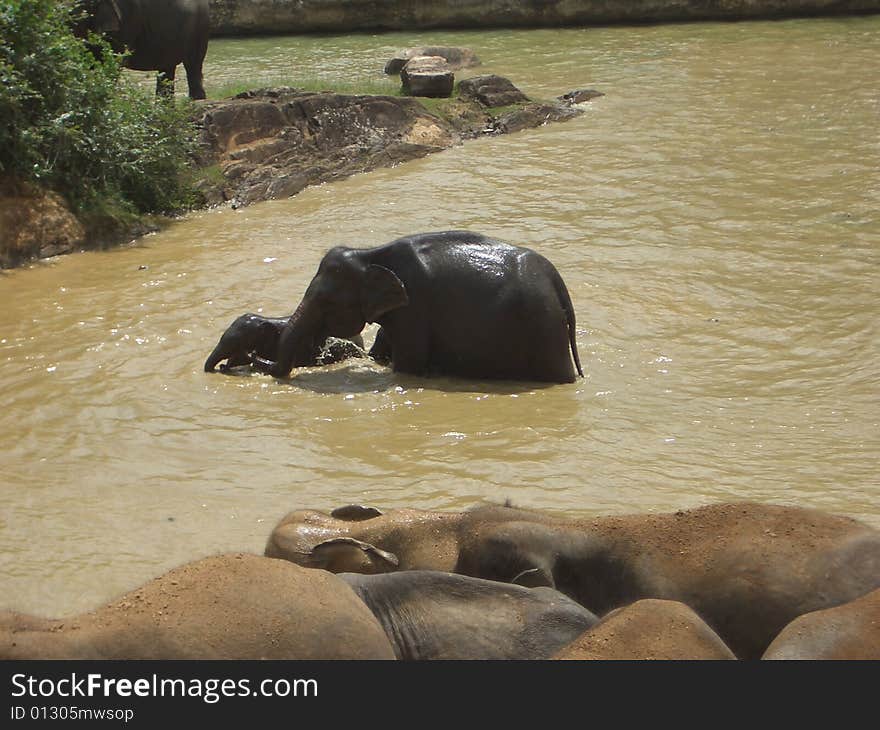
{"x":361,"y":375}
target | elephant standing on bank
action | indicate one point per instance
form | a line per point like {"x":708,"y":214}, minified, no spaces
{"x":451,"y":303}
{"x":159,"y":34}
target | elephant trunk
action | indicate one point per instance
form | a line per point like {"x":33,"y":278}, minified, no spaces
{"x":219,"y":353}
{"x":299,"y":341}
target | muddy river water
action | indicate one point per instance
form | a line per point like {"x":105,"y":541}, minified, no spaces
{"x":716,"y":217}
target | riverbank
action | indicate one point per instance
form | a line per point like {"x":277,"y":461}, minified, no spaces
{"x":243,"y":17}
{"x":273,"y":143}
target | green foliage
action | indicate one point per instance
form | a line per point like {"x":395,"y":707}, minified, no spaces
{"x":70,"y":121}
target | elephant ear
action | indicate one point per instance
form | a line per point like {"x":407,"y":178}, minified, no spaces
{"x":382,"y":292}
{"x":347,"y":555}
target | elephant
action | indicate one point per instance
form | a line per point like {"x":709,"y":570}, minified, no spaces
{"x":232,"y":606}
{"x":450,"y":303}
{"x":433,"y":615}
{"x":239,"y":606}
{"x":648,"y":629}
{"x":254,"y":333}
{"x":850,"y":631}
{"x":158,"y":34}
{"x":748,"y":569}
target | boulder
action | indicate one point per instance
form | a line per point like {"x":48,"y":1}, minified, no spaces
{"x":491,"y":91}
{"x":427,"y":76}
{"x":456,"y":58}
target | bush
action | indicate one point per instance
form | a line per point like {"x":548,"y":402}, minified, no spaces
{"x":70,"y":120}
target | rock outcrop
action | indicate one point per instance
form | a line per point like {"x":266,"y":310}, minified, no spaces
{"x":272,"y":143}
{"x":36,"y":224}
{"x":491,"y":91}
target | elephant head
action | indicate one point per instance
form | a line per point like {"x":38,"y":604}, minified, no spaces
{"x":99,"y":16}
{"x":347,"y":292}
{"x":249,"y":333}
{"x":359,"y":539}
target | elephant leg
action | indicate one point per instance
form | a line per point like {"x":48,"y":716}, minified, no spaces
{"x":411,"y":351}
{"x":165,"y":82}
{"x":381,"y":349}
{"x":193,"y":65}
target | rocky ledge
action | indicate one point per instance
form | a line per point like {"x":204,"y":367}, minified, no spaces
{"x":272,"y":143}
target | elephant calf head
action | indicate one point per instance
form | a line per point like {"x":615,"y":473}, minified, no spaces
{"x":249,"y":333}
{"x":253,"y":336}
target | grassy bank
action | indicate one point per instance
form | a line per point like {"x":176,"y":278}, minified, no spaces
{"x":72,"y":124}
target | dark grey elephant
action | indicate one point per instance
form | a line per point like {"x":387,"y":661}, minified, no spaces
{"x":450,"y":303}
{"x":434,"y":615}
{"x":748,"y":569}
{"x":253,"y":334}
{"x":160,"y":35}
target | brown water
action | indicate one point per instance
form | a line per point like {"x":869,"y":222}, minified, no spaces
{"x":715,"y":217}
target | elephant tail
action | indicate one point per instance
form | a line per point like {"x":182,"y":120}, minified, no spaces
{"x":565,"y":301}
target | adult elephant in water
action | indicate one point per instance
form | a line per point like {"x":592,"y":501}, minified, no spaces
{"x":159,"y":35}
{"x":451,"y":303}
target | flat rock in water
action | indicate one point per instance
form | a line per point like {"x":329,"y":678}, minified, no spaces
{"x":491,"y":91}
{"x":456,"y":58}
{"x":427,"y":76}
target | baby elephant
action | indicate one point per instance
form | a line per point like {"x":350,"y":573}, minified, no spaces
{"x":254,"y":335}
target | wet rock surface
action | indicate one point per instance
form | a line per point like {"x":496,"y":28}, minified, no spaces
{"x":427,"y":76}
{"x":491,"y":91}
{"x":272,"y":143}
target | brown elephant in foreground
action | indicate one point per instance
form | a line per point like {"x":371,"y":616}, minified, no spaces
{"x":250,"y":607}
{"x":850,"y":631}
{"x":223,"y":607}
{"x":748,"y":569}
{"x":648,"y":629}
